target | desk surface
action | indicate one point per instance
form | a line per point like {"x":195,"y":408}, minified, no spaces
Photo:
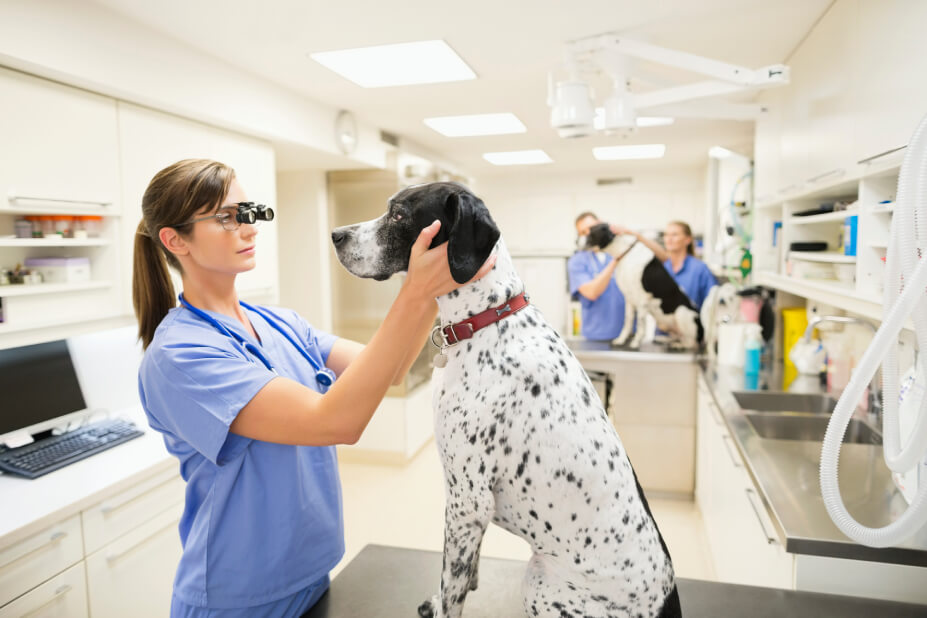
{"x":389,"y":581}
{"x":39,"y":503}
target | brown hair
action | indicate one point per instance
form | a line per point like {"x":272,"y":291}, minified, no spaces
{"x":176,"y":193}
{"x":583,"y":216}
{"x":688,"y":232}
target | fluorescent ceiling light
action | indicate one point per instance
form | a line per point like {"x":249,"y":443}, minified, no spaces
{"x":640,"y":151}
{"x":654,"y":121}
{"x":401,"y":64}
{"x":518,"y":157}
{"x":598,"y":122}
{"x":476,"y":124}
{"x":717,"y":152}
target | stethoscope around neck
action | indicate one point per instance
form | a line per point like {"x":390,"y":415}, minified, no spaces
{"x":323,"y":375}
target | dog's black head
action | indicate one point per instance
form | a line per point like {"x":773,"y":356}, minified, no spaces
{"x":380,"y":248}
{"x":600,"y":236}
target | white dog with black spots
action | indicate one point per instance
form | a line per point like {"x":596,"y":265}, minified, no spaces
{"x":523,"y":437}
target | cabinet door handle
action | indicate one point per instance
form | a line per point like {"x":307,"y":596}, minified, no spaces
{"x":770,"y":539}
{"x":107,"y":509}
{"x":60,"y":592}
{"x":114,"y":557}
{"x":54,"y":538}
{"x":734,"y":459}
{"x":56,"y":200}
{"x":881,"y":154}
{"x":836,"y":172}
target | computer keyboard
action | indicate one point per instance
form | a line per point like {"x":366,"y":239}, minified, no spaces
{"x":34,"y":460}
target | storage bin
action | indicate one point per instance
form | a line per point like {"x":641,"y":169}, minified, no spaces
{"x":61,"y":269}
{"x":850,"y":234}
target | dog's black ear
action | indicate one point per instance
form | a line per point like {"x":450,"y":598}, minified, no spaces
{"x":600,"y":235}
{"x":471,"y":236}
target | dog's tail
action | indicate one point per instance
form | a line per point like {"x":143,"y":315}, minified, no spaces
{"x":690,"y":326}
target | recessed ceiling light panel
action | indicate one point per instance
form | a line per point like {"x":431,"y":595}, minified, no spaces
{"x":518,"y":157}
{"x":638,"y":151}
{"x":476,"y":124}
{"x":400,"y":64}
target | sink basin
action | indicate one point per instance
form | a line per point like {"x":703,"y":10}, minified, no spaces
{"x":809,"y":427}
{"x":765,"y":401}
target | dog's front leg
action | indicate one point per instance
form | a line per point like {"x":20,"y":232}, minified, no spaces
{"x":628,"y":326}
{"x":641,"y":327}
{"x":466,"y":519}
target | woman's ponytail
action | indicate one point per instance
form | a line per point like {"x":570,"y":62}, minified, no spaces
{"x":173,"y":197}
{"x":152,"y":288}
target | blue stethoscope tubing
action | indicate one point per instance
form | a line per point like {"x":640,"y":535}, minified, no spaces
{"x":323,"y":375}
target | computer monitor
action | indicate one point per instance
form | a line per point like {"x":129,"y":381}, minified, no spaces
{"x":38,"y":389}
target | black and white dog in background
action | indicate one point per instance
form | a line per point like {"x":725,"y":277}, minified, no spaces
{"x":648,"y":289}
{"x":522,"y":435}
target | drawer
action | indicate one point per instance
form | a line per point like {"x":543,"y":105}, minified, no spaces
{"x":127,"y":510}
{"x":134,"y":575}
{"x":64,"y":595}
{"x":30,"y":562}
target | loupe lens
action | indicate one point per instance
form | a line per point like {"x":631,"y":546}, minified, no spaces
{"x":265,"y":213}
{"x":246,"y":216}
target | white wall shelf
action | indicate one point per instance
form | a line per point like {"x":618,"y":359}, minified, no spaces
{"x":11,"y":241}
{"x":822,"y":256}
{"x":839,"y":215}
{"x":51,"y":288}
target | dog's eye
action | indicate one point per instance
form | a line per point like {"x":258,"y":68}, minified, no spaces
{"x":397,"y":216}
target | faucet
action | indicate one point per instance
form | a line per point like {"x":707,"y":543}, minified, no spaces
{"x":875,"y":388}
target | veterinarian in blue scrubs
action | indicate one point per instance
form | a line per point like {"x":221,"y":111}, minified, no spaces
{"x":690,"y":273}
{"x":241,"y":395}
{"x":592,"y":280}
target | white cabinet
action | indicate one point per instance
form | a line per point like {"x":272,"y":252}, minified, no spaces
{"x":59,"y":145}
{"x":30,"y":562}
{"x":58,"y":158}
{"x":134,"y":575}
{"x":63,"y":596}
{"x":115,"y":558}
{"x":151,"y":140}
{"x":744,"y":546}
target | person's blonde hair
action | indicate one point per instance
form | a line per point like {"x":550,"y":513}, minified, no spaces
{"x":173,"y":197}
{"x":688,"y":232}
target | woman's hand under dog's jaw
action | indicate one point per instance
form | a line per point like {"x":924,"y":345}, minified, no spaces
{"x":429,"y":273}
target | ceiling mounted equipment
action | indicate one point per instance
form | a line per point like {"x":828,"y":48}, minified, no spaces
{"x":571,"y":101}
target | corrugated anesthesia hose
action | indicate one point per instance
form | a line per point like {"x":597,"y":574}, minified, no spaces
{"x":905,"y":292}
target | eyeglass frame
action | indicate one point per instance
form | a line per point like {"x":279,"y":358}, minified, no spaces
{"x":251,"y":212}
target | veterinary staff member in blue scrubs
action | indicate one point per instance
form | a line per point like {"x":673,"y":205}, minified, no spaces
{"x":690,"y":273}
{"x":592,"y":279}
{"x":241,"y":395}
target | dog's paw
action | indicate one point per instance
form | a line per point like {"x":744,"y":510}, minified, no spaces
{"x":474,"y":582}
{"x":429,"y":609}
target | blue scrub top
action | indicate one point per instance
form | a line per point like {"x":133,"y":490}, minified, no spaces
{"x":694,"y":278}
{"x":603,"y":318}
{"x":262,"y":521}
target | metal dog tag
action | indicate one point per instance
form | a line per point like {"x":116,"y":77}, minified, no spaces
{"x":440,"y":360}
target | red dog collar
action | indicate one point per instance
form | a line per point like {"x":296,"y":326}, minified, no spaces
{"x":455,"y":333}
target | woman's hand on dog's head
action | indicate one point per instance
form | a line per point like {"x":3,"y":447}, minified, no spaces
{"x":429,"y":272}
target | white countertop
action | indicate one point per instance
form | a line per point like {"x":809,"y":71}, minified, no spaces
{"x":648,"y":352}
{"x":32,"y":505}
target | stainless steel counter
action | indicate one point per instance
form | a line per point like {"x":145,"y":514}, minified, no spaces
{"x":786,"y":474}
{"x":648,"y":352}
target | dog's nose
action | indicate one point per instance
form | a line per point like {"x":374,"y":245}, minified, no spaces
{"x":339,"y":236}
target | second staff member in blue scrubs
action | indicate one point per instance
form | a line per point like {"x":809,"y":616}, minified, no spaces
{"x":592,"y":279}
{"x":690,"y":273}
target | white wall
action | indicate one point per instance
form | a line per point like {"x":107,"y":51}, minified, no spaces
{"x":538,"y":212}
{"x":303,"y":230}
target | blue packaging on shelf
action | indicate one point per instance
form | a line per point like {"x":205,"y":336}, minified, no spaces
{"x":850,"y":229}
